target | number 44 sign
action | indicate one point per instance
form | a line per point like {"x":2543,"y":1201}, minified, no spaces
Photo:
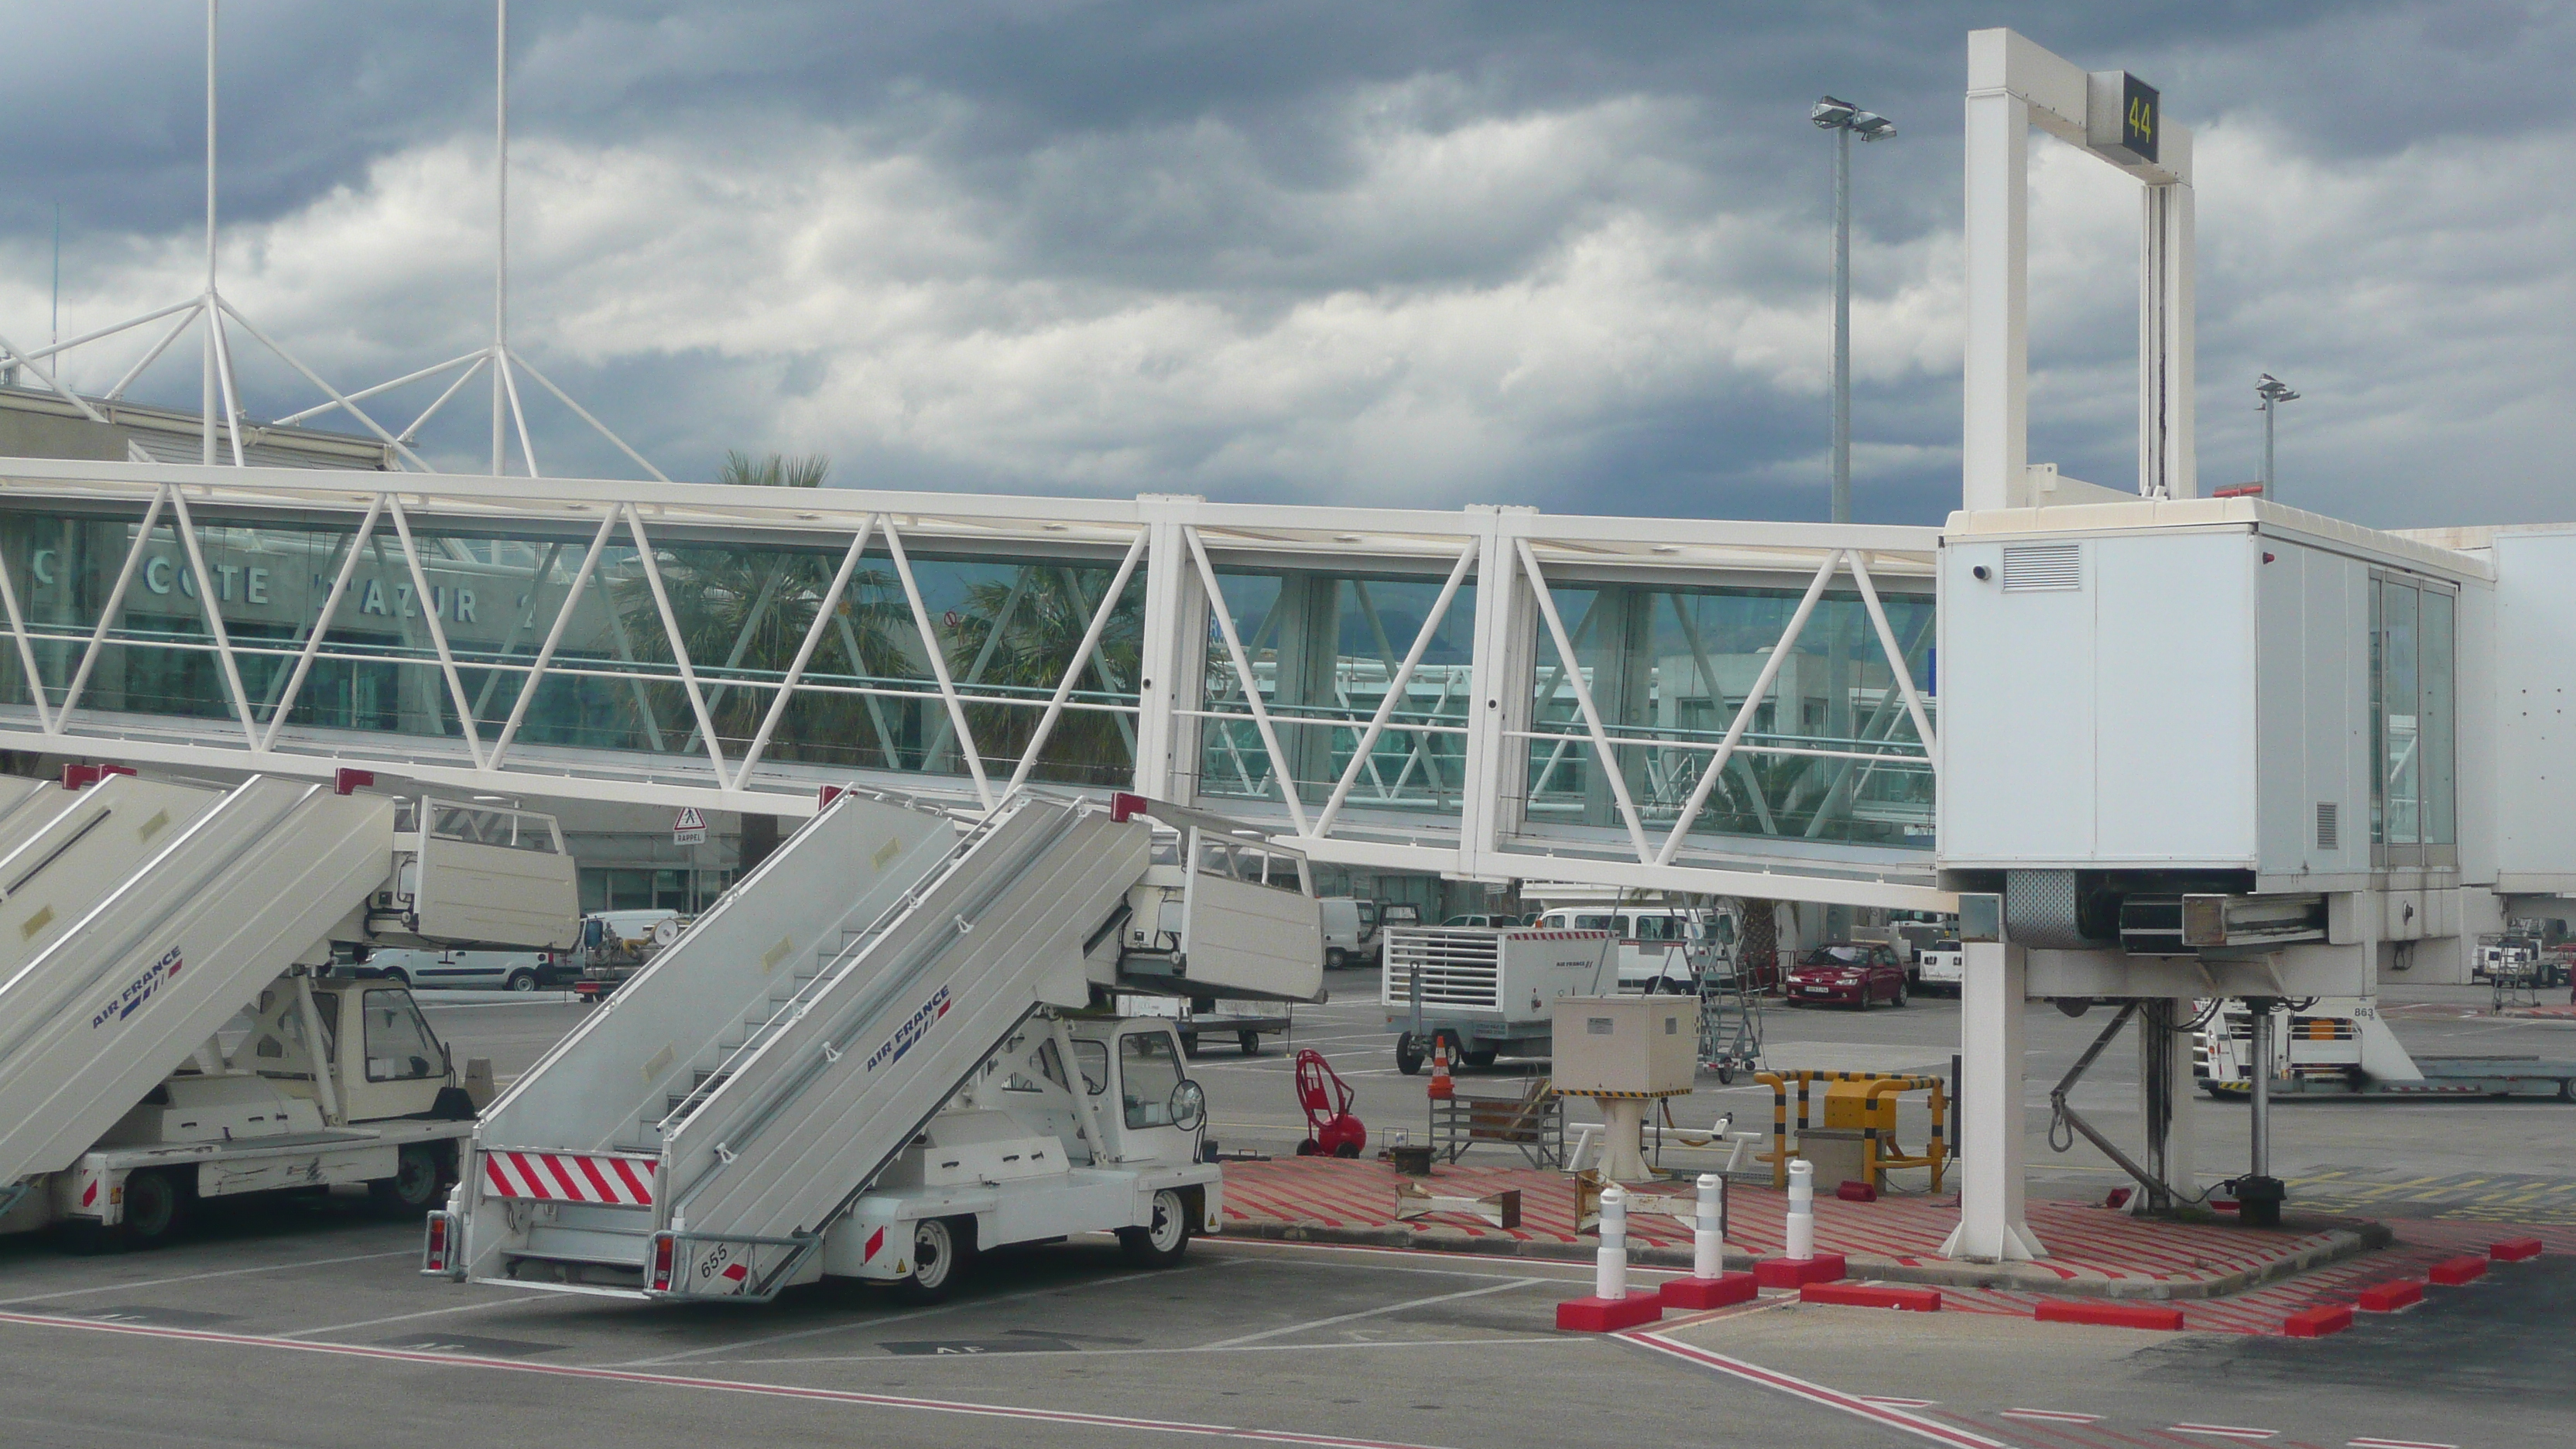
{"x":688,"y":827}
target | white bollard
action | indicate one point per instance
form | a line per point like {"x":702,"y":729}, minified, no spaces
{"x":1802,"y":1211}
{"x":1610,"y":1271}
{"x":1709,"y":1233}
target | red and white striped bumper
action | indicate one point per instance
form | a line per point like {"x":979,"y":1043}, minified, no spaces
{"x":569,"y":1177}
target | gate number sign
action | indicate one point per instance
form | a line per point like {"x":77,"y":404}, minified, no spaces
{"x":2139,"y":118}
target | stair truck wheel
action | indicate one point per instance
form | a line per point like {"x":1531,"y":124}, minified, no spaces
{"x":941,"y":1249}
{"x":413,"y":1189}
{"x":1408,"y":1054}
{"x":1161,"y":1244}
{"x":156,"y":1209}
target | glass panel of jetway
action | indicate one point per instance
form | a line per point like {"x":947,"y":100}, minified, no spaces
{"x":1325,"y":649}
{"x":1831,"y":751}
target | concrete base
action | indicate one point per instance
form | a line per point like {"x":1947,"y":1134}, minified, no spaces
{"x":2318,"y":1322}
{"x":1798,"y":1272}
{"x":2109,"y":1315}
{"x":1700,"y":1294}
{"x":1608,"y":1315}
{"x":1855,"y":1295}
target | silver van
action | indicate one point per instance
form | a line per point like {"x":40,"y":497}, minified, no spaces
{"x":478,"y":970}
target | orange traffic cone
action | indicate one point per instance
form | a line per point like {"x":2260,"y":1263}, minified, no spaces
{"x":1441,"y":1087}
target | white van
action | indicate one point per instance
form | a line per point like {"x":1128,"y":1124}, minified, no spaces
{"x":1942,"y":965}
{"x":1652,"y":944}
{"x":476,"y":970}
{"x":1350,"y":930}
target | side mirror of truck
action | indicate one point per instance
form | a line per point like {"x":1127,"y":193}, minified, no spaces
{"x":1188,"y":1106}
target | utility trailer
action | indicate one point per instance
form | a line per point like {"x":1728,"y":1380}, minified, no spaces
{"x":2341,"y":1046}
{"x":169,"y":1029}
{"x":1489,"y":991}
{"x":1205,"y":1019}
{"x":891,"y":1046}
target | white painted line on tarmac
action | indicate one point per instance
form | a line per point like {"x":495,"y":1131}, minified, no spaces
{"x":1574,"y":1270}
{"x":1382,"y":1309}
{"x":2224,"y":1431}
{"x":477,"y":1305}
{"x":2052,"y":1416}
{"x":1069,"y":1418}
{"x":2368,"y":1443}
{"x":1900,"y":1403}
{"x":1815,"y":1393}
{"x":201,"y":1277}
{"x":1549,"y":1339}
{"x":867,"y":1324}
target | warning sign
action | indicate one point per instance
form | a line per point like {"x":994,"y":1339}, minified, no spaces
{"x":688,"y":827}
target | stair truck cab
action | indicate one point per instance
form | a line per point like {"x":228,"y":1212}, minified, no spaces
{"x":2341,"y":1045}
{"x":890,"y":1047}
{"x":171,"y":1030}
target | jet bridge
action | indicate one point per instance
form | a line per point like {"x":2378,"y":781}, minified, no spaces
{"x":749,"y":1084}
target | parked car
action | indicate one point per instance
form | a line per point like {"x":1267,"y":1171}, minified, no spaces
{"x":478,"y":970}
{"x":1847,"y":973}
{"x":1942,"y":966}
{"x":1484,"y":922}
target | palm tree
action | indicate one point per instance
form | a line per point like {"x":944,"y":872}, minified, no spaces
{"x":1025,"y":647}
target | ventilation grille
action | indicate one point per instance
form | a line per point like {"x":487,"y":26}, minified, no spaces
{"x":2329,"y":825}
{"x":2032,"y":568}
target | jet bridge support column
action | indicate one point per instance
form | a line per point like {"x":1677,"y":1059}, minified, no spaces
{"x":1990,"y":1109}
{"x":2165,"y":1101}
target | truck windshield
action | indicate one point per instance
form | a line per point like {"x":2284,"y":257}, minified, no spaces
{"x":1148,"y":1071}
{"x":400,"y":1047}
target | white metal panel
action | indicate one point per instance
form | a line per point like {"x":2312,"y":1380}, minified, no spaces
{"x":85,"y":845}
{"x":1255,"y":938}
{"x":2287,"y":826}
{"x":2174,"y":684}
{"x":2533,"y":772}
{"x":2017,"y":714}
{"x":2482,"y":668}
{"x":90,"y":1024}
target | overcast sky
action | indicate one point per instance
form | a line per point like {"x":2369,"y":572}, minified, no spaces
{"x":1574,"y":256}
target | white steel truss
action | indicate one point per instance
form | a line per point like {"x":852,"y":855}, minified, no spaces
{"x":1454,"y":766}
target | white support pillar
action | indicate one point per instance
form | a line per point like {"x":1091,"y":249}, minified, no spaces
{"x":1497,"y":767}
{"x":1169,"y":671}
{"x":1991,"y":1067}
{"x":1994,"y":441}
{"x":2167,"y":464}
{"x":2158,"y":1036}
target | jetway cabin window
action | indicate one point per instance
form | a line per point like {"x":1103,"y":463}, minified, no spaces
{"x":2414,"y":725}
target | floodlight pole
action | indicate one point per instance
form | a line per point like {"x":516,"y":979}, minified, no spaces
{"x":501,"y":220}
{"x":1842,"y":325}
{"x":2270,"y":393}
{"x":206,"y":397}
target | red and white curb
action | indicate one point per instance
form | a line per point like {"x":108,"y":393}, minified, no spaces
{"x":1815,"y":1393}
{"x":731,"y":1386}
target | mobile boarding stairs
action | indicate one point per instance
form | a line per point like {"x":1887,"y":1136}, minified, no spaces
{"x":879,"y":984}
{"x":138,"y":917}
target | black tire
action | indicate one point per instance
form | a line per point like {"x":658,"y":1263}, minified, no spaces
{"x":397,"y":976}
{"x":942,"y":1250}
{"x":1189,"y":1044}
{"x":1478,"y":1060}
{"x":419,"y":1172}
{"x":1335,"y":958}
{"x":1307,"y":1148}
{"x":1408,"y":1054}
{"x":1161,"y":1243}
{"x":1347,"y":1149}
{"x":521,"y":980}
{"x":156,"y":1209}
{"x":1725,"y":1076}
{"x":1251,"y":1041}
{"x":1900,"y":995}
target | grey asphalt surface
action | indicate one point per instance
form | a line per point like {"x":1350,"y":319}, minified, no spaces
{"x":306,"y":1323}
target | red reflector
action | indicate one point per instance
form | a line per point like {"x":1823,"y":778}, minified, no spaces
{"x":79,"y":777}
{"x":1124,"y":807}
{"x":662,"y":1263}
{"x":827,"y":795}
{"x":437,"y":1241}
{"x":346,"y":781}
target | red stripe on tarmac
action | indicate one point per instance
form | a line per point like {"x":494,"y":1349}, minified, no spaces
{"x":733,"y":1386}
{"x":1813,"y":1393}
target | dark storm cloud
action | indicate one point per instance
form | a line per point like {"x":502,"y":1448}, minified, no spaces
{"x":1570,"y":255}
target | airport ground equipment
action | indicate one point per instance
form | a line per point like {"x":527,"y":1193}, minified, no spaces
{"x":2340,"y":1046}
{"x":1625,"y":1052}
{"x":1859,"y":1107}
{"x":1243,"y":1023}
{"x":879,"y":1054}
{"x":171,"y":1036}
{"x":1531,"y":1121}
{"x":1730,"y":1026}
{"x":1490,"y":991}
{"x":1331,"y":1129}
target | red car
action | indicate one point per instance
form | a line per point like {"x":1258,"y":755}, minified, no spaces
{"x":1847,"y":973}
